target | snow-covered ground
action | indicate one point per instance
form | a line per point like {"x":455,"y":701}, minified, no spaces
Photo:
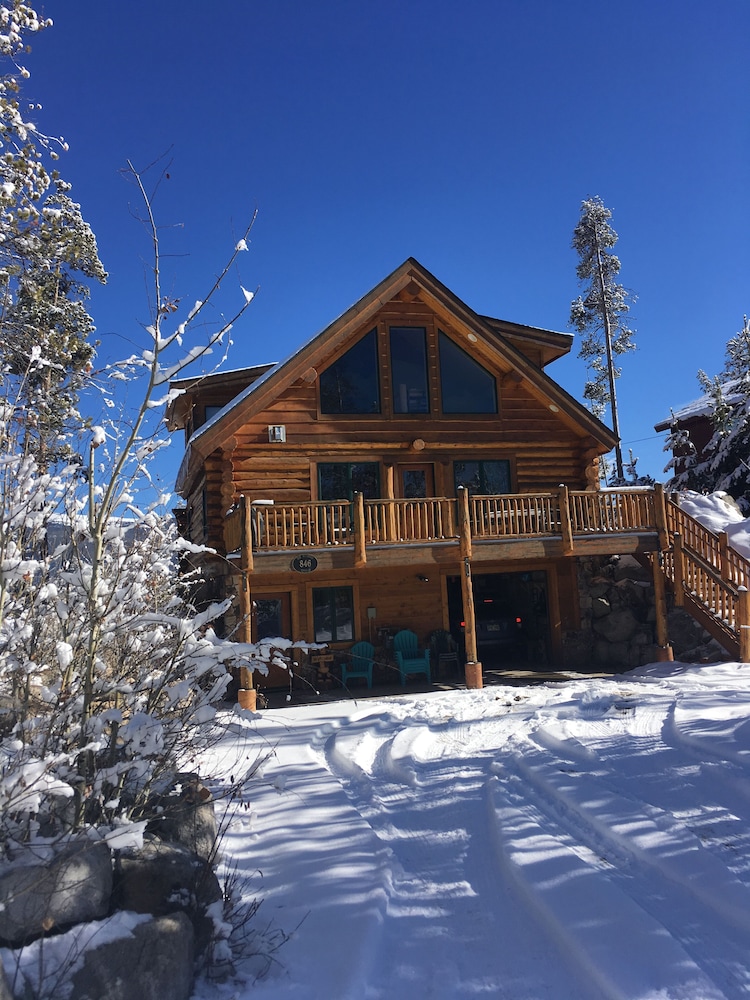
{"x":588,"y":839}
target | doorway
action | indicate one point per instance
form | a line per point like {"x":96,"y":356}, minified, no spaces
{"x":415,"y":482}
{"x":512,"y":618}
{"x":272,"y":617}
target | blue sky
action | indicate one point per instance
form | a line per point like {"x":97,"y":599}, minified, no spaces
{"x":463,"y":134}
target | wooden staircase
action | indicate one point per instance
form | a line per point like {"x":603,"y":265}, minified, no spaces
{"x":709,"y":578}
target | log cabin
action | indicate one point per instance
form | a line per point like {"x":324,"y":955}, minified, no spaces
{"x":412,"y":466}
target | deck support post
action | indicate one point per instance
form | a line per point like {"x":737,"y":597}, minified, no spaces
{"x":743,"y":623}
{"x":246,"y":695}
{"x":472,"y":668}
{"x":665,"y":653}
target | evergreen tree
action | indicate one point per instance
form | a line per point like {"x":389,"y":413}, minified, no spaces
{"x":600,"y":314}
{"x":47,"y":251}
{"x":724,"y":463}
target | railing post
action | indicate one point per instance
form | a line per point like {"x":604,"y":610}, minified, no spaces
{"x":723,"y":566}
{"x":743,"y":623}
{"x":660,"y":513}
{"x":566,"y":527}
{"x":679,"y":571}
{"x":360,"y":552}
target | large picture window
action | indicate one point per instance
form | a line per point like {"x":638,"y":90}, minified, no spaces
{"x":465,"y":387}
{"x":409,"y":369}
{"x":352,"y":384}
{"x":333,"y":614}
{"x":483,"y":477}
{"x":341,"y":480}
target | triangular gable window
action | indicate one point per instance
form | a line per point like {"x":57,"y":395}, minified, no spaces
{"x":352,"y":383}
{"x":465,"y":386}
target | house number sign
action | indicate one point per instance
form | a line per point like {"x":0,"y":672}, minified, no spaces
{"x":304,"y":564}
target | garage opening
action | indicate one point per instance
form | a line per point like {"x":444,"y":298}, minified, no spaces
{"x":512,"y":618}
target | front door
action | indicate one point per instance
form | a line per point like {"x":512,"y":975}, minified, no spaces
{"x":416,"y":481}
{"x":272,"y":617}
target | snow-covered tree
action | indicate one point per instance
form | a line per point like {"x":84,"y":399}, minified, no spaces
{"x":724,"y":463}
{"x":108,"y":676}
{"x":47,"y":252}
{"x":600,"y":314}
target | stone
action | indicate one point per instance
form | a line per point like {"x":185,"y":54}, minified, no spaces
{"x":162,"y":878}
{"x":74,"y":887}
{"x":600,"y":607}
{"x":188,"y":818}
{"x":153,"y":962}
{"x":617,"y":627}
{"x":5,"y":991}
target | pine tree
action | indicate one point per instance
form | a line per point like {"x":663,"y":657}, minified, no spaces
{"x":47,"y":252}
{"x":600,"y":314}
{"x":724,"y":463}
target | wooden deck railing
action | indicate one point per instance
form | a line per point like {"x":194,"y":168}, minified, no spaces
{"x":274,"y":527}
{"x":710,"y":578}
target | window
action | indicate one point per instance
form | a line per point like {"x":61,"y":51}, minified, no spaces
{"x":341,"y":480}
{"x":333,"y":614}
{"x":484,"y":478}
{"x":409,"y":369}
{"x":352,"y":384}
{"x":465,"y":386}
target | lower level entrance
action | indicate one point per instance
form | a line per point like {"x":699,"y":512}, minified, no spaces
{"x":512,"y":620}
{"x":271,"y":618}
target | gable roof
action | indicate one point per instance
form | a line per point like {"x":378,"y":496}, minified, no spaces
{"x":413,"y":279}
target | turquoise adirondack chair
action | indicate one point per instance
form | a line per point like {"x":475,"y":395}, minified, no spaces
{"x":411,"y":659}
{"x":358,"y":662}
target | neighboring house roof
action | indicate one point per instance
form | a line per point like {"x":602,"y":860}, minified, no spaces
{"x":701,"y":407}
{"x":411,"y":277}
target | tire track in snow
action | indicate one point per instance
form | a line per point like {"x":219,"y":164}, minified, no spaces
{"x":427,"y":812}
{"x":643,"y":846}
{"x":593,"y":921}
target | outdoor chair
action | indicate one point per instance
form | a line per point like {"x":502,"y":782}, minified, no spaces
{"x":358,"y":663}
{"x":444,"y":650}
{"x":411,"y":659}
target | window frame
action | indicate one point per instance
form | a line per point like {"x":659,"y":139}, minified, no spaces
{"x":332,"y":606}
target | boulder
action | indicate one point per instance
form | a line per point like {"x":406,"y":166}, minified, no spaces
{"x":617,"y":627}
{"x":153,"y":962}
{"x":74,"y":887}
{"x":5,"y":991}
{"x":188,"y":817}
{"x":164,"y":878}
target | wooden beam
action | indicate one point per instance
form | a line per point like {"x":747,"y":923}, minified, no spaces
{"x":473,"y":668}
{"x":743,"y":624}
{"x":360,"y":551}
{"x":565,"y":523}
{"x":660,"y":602}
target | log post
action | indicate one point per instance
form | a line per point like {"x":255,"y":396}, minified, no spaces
{"x":566,"y":526}
{"x":246,"y":695}
{"x":660,"y":601}
{"x":390,"y":525}
{"x":660,"y":514}
{"x":472,"y":668}
{"x":679,"y":571}
{"x":743,"y":623}
{"x":723,"y":566}
{"x":360,"y":552}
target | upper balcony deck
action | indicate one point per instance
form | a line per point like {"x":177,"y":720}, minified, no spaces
{"x":387,"y":531}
